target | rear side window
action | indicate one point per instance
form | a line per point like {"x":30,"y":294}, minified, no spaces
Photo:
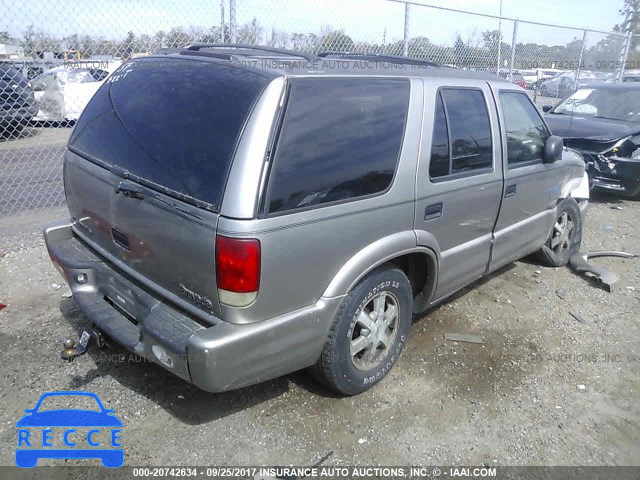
{"x":462,"y":115}
{"x":440,"y":155}
{"x":170,"y":123}
{"x":340,"y":140}
{"x":526,"y":132}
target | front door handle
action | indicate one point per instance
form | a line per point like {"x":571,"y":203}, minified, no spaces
{"x":433,"y":211}
{"x":510,"y":191}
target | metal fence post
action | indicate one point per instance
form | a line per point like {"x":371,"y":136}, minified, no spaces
{"x":222,"y":35}
{"x":624,"y":56}
{"x":405,"y":43}
{"x":499,"y":40}
{"x":584,"y":42}
{"x":232,"y":21}
{"x":513,"y":48}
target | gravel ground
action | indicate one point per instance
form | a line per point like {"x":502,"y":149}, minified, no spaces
{"x":543,"y":388}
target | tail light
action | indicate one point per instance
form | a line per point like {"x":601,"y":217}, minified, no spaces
{"x":237,"y":270}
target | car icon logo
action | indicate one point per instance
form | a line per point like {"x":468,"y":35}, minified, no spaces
{"x":69,"y":433}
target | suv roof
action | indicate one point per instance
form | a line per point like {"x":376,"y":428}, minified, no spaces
{"x":278,"y":62}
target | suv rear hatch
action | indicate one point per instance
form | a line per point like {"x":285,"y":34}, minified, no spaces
{"x":146,"y":168}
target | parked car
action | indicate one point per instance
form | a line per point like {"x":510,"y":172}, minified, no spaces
{"x":529,"y":76}
{"x":262,"y":218}
{"x":631,"y":76}
{"x":63,"y":92}
{"x":516,"y":76}
{"x":542,"y":75}
{"x":563,"y":84}
{"x":17,"y":103}
{"x":602,"y":121}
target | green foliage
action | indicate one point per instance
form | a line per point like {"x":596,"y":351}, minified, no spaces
{"x":478,"y":50}
{"x":336,"y":41}
{"x":631,"y":23}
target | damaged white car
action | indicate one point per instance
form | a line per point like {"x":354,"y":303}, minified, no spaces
{"x":63,"y":92}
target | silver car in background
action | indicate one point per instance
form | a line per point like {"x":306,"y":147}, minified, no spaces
{"x":62,"y":92}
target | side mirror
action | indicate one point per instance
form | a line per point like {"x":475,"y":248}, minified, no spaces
{"x":553,"y":149}
{"x":546,"y":108}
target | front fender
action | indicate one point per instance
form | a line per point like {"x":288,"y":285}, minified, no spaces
{"x":578,"y":186}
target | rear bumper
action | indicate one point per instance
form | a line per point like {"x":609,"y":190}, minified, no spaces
{"x":215,"y":358}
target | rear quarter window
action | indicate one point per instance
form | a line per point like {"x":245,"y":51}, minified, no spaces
{"x":340,"y":140}
{"x":170,"y":123}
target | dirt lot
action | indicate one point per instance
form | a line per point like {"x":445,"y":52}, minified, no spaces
{"x":542,"y":389}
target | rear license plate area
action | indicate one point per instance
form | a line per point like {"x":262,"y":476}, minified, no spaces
{"x":121,"y":302}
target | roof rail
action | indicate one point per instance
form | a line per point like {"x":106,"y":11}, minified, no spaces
{"x":243,"y":46}
{"x":375,"y":57}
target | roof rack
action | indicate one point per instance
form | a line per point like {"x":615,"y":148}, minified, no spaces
{"x":374,"y":57}
{"x":196,"y":47}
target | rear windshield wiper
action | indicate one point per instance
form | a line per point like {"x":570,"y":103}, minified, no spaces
{"x":177,"y":207}
{"x":130,"y":190}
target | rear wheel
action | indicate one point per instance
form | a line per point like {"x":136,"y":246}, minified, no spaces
{"x":368,"y":332}
{"x":565,"y":237}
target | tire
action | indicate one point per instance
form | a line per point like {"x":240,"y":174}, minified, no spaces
{"x":565,"y":237}
{"x":348,"y":363}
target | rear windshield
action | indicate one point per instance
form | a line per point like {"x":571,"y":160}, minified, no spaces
{"x":170,"y":123}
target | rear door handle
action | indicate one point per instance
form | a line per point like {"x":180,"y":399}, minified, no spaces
{"x":510,"y":191}
{"x":433,"y":211}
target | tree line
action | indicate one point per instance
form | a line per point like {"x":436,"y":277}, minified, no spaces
{"x":476,"y":50}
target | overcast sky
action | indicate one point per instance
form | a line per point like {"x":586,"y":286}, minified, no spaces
{"x":361,"y":19}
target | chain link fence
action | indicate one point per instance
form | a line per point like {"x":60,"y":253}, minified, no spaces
{"x":54,"y":54}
